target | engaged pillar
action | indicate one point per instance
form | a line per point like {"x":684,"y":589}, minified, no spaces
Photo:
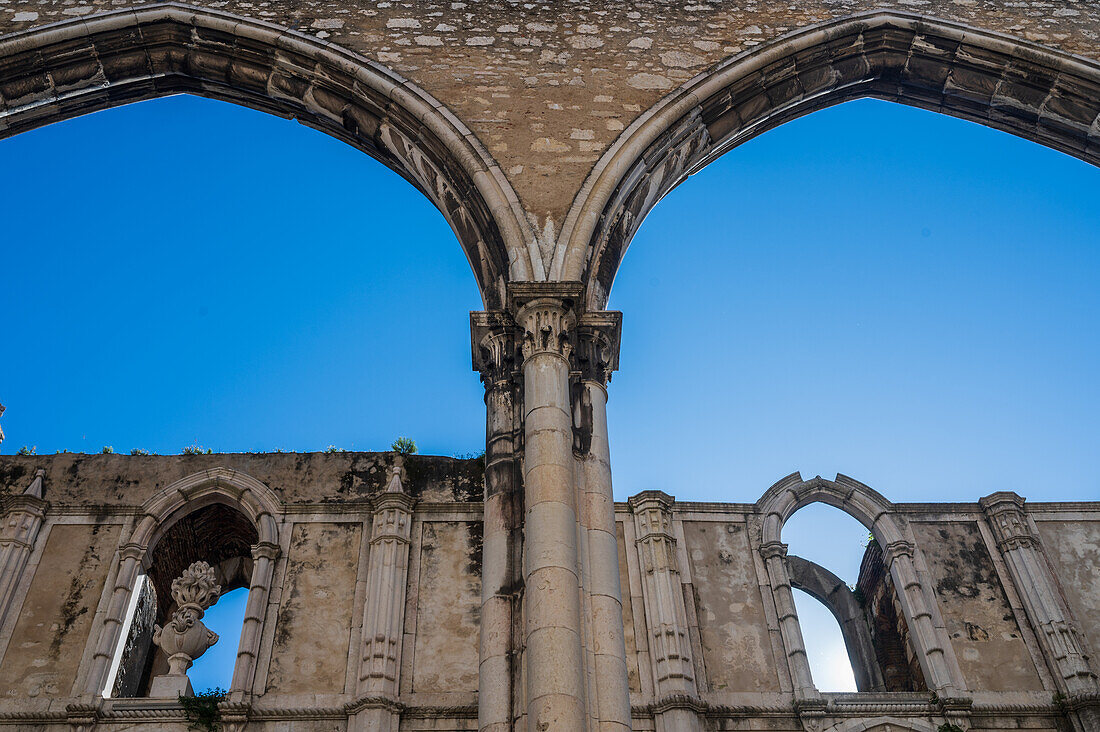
{"x":496,"y":356}
{"x":1058,"y":634}
{"x":22,"y":520}
{"x":594,"y":359}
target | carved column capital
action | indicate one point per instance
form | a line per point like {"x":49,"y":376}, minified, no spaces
{"x":392,"y":518}
{"x":596,"y":354}
{"x":266,"y":550}
{"x":773,"y":549}
{"x":897,"y":549}
{"x":1005,"y":512}
{"x":546,"y":313}
{"x":132,"y":551}
{"x":495,"y":340}
{"x":652,"y":513}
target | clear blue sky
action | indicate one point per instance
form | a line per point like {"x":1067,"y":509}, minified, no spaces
{"x":876,"y":290}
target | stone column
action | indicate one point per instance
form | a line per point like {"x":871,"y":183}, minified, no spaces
{"x":665,"y":613}
{"x":775,"y":562}
{"x":129,"y":567}
{"x":264,"y":556}
{"x":555,"y":665}
{"x":23,"y":516}
{"x":898,"y":556}
{"x":384,"y":609}
{"x":496,"y":356}
{"x":595,"y":357}
{"x":1058,"y":635}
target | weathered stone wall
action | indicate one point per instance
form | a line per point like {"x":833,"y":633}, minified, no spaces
{"x":1072,"y":542}
{"x":735,"y":650}
{"x":980,"y":622}
{"x":56,"y":616}
{"x":308,"y":660}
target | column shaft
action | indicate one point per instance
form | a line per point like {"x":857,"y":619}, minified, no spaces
{"x":495,"y":356}
{"x":899,"y":560}
{"x":555,"y":665}
{"x":384,"y":608}
{"x":263,"y":570}
{"x":775,"y":563}
{"x":604,"y":587}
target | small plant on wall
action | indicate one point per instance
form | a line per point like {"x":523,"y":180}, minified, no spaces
{"x":202,"y":711}
{"x":404,"y":446}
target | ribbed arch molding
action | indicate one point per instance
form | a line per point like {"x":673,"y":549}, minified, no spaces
{"x":1037,"y":93}
{"x":99,"y":61}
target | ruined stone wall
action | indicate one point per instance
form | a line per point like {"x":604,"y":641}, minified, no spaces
{"x":725,"y":619}
{"x":312,"y":626}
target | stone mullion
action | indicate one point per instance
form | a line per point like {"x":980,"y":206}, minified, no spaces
{"x":495,"y":356}
{"x":22,"y":522}
{"x":554,"y":667}
{"x":264,"y":555}
{"x":775,"y":562}
{"x":1058,"y":635}
{"x":918,"y":614}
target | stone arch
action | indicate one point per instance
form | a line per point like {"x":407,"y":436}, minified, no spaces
{"x":831,"y":591}
{"x":63,"y":70}
{"x":217,"y":486}
{"x":930,"y":642}
{"x":859,"y":501}
{"x":1032,"y":91}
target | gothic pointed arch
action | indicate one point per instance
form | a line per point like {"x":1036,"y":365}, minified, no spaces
{"x":220,"y":515}
{"x":898,"y":558}
{"x":1038,"y":93}
{"x":103,"y":60}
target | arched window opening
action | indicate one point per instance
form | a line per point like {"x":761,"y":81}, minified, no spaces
{"x":216,"y":534}
{"x":855,"y":634}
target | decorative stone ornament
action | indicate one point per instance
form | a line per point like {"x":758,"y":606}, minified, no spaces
{"x":184,"y":638}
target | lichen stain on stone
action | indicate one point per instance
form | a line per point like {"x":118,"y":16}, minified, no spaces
{"x":73,"y":606}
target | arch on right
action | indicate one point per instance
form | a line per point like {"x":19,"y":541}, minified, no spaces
{"x":1035,"y":92}
{"x":889,"y":576}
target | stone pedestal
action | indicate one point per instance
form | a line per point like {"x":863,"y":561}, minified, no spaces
{"x":170,"y":686}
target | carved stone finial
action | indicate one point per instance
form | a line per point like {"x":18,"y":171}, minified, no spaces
{"x":184,"y":638}
{"x":36,"y":488}
{"x":397,"y":475}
